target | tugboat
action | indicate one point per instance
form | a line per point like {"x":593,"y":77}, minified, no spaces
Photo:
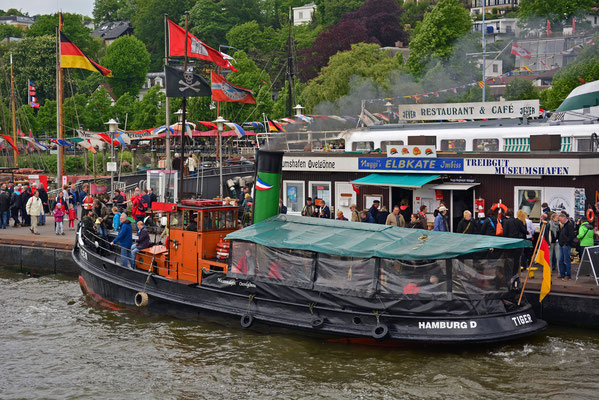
{"x":338,"y":280}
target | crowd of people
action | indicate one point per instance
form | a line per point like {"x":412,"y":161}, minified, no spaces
{"x":560,"y":231}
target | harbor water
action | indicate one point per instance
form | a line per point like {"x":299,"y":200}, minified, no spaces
{"x":54,"y":343}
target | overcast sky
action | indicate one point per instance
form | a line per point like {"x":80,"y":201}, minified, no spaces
{"x":34,"y":7}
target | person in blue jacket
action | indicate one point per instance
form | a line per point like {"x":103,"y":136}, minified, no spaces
{"x":124,"y":239}
{"x":440,"y":221}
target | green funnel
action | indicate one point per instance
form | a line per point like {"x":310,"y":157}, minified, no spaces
{"x":267,"y":187}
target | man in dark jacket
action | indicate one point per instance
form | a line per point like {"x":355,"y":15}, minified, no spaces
{"x":374,"y":209}
{"x":124,"y":239}
{"x":422,"y":217}
{"x":324,"y":210}
{"x":15,"y":205}
{"x":467,"y":224}
{"x":514,"y":228}
{"x":118,"y":200}
{"x":44,"y":198}
{"x":565,"y":240}
{"x":25,"y":195}
{"x":4,"y":206}
{"x":143,"y":242}
{"x":153,"y":197}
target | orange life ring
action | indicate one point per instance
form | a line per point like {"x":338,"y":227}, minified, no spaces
{"x":590,"y":215}
{"x":499,"y":205}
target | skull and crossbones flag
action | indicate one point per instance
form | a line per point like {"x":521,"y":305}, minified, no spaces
{"x":181,"y":83}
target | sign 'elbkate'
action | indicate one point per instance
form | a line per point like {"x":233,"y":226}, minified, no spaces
{"x":453,"y":111}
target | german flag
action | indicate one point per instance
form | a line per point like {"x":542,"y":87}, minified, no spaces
{"x":273,"y":126}
{"x":72,"y":57}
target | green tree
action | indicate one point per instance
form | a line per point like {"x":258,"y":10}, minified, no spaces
{"x":129,"y":60}
{"x":98,"y":110}
{"x":46,"y":118}
{"x":106,"y":10}
{"x":535,"y":13}
{"x":13,"y":11}
{"x":124,"y":108}
{"x":584,"y":68}
{"x":249,"y":37}
{"x":250,"y":77}
{"x":73,"y":29}
{"x":328,"y":12}
{"x":435,"y":35}
{"x":520,"y":89}
{"x":73,"y":113}
{"x":365,"y":61}
{"x":26,"y":118}
{"x":414,"y":12}
{"x":34,"y":58}
{"x":148,"y":25}
{"x":7,"y":31}
{"x":146,"y":114}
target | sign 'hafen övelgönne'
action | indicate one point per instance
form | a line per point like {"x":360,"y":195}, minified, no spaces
{"x":453,"y":111}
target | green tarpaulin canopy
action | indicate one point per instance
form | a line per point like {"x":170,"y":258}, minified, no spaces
{"x":397,"y":180}
{"x":363,"y":240}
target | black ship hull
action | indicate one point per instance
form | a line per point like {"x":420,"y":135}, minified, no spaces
{"x":105,"y":281}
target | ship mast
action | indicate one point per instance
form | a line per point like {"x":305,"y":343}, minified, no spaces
{"x":59,"y":133}
{"x":14,"y":119}
{"x":289,"y":67}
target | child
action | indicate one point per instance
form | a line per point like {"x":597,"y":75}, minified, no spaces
{"x":58,"y":217}
{"x":116,"y":220}
{"x":72,"y":216}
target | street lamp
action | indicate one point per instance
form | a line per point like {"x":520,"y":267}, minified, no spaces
{"x":112,"y":127}
{"x":220,"y":124}
{"x":298,"y":109}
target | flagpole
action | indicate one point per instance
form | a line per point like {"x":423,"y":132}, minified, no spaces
{"x":532,"y":259}
{"x":14,"y":119}
{"x":59,"y":158}
{"x":183,"y":125}
{"x":484,"y":54}
{"x":167,"y":102}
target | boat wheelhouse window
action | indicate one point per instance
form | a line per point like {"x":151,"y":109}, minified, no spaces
{"x":285,"y":266}
{"x":482,"y":273}
{"x":243,"y":259}
{"x":190,"y":220}
{"x":362,"y":146}
{"x":346,"y":275}
{"x":584,"y":145}
{"x":221,"y":219}
{"x":176,"y":220}
{"x":485,"y":145}
{"x":453,"y":145}
{"x":417,"y":278}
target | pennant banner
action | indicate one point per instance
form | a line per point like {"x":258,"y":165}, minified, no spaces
{"x":223,"y":90}
{"x":11,"y":143}
{"x":195,"y":47}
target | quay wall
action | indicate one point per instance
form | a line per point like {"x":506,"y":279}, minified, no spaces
{"x":37,"y":259}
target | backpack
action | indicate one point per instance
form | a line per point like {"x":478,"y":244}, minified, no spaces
{"x":141,"y":204}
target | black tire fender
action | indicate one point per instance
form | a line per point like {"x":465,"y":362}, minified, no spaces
{"x":317,"y":322}
{"x":380,"y":331}
{"x":246,"y":320}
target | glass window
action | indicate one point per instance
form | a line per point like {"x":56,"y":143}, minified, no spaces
{"x":453,"y":145}
{"x":190,"y":220}
{"x":362,"y":146}
{"x":495,"y":68}
{"x":345,"y":275}
{"x":386,"y":143}
{"x":484,"y":273}
{"x":293,"y":195}
{"x":321,"y":190}
{"x":485,"y":145}
{"x":416,"y":278}
{"x":176,"y":219}
{"x":285,"y":266}
{"x":243,"y":259}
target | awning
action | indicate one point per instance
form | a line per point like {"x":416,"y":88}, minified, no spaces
{"x":396,"y":180}
{"x":455,"y":186}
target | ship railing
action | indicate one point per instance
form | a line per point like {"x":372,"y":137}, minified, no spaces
{"x":104,"y":246}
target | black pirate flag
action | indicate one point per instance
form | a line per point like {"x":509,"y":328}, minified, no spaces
{"x":181,"y":83}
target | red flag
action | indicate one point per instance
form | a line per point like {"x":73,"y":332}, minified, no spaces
{"x":548,"y":28}
{"x":520,"y":51}
{"x":223,"y":90}
{"x":543,"y":259}
{"x":12,"y":144}
{"x":195,"y":47}
{"x":573,"y":25}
